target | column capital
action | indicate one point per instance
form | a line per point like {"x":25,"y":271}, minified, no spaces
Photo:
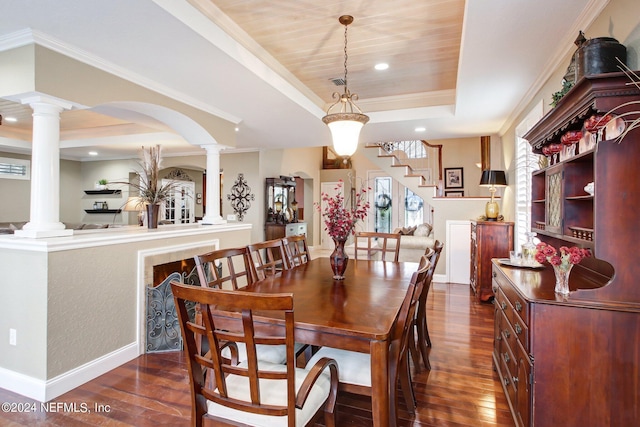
{"x":213,"y":148}
{"x":36,"y":98}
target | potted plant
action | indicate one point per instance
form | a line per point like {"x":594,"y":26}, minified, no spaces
{"x":102,"y":184}
{"x":151,"y":191}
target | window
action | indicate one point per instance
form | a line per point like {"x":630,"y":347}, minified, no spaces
{"x":15,"y":168}
{"x":526,"y":162}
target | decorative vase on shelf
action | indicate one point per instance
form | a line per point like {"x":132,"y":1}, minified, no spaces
{"x":153,"y":210}
{"x":339,"y":259}
{"x":562,"y":279}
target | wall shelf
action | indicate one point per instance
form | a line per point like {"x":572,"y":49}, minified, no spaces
{"x":103,"y":191}
{"x":103,"y":211}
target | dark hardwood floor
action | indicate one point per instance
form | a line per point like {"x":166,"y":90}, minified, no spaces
{"x":460,"y":390}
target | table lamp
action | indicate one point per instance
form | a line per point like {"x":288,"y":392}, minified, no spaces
{"x":492,"y":179}
{"x":134,"y":204}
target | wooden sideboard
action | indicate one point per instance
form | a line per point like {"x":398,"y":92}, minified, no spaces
{"x":489,"y":239}
{"x":575,"y":360}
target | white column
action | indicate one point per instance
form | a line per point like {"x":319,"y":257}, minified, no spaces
{"x":44,"y":218}
{"x":212,"y":215}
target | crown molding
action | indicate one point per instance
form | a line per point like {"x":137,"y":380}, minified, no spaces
{"x":28,"y":36}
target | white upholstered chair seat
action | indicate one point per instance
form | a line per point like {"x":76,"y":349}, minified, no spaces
{"x":272,"y":392}
{"x":353,"y":367}
{"x":267,"y":353}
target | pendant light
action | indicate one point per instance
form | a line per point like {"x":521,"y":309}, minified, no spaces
{"x":345,"y":124}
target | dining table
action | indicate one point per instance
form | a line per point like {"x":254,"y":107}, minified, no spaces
{"x":356,"y":313}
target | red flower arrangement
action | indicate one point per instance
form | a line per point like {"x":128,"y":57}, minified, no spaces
{"x":564,"y":259}
{"x":340,"y":220}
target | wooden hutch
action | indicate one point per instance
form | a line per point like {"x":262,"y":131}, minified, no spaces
{"x":281,"y":206}
{"x":575,"y":361}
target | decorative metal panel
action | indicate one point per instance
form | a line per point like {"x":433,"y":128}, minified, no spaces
{"x":163,"y":326}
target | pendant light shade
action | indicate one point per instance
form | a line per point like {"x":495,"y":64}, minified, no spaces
{"x":345,"y":131}
{"x":345,"y":124}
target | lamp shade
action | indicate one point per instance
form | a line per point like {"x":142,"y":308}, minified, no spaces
{"x":493,"y":178}
{"x":134,"y":204}
{"x":345,"y":131}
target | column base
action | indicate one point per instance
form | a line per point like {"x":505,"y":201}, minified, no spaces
{"x":41,"y":234}
{"x":213,"y":220}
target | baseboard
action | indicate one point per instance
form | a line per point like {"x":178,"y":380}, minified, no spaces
{"x":440,"y":278}
{"x":44,"y":391}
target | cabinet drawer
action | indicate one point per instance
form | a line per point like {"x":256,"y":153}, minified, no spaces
{"x":517,"y":302}
{"x":507,"y":353}
{"x":513,"y":326}
{"x":295,"y":229}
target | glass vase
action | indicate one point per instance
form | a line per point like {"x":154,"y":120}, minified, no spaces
{"x":339,"y":259}
{"x":562,"y":279}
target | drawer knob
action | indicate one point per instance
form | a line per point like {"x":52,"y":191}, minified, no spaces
{"x":506,"y":381}
{"x":518,"y":306}
{"x":494,"y":275}
{"x":518,"y":329}
{"x":515,"y":380}
{"x":503,"y":305}
{"x":507,"y":333}
{"x":506,"y":358}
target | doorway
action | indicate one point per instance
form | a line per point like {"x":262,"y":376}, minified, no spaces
{"x":179,"y":208}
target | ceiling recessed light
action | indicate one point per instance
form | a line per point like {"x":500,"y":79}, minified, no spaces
{"x":381,"y":66}
{"x":237,"y":129}
{"x":420,"y":129}
{"x":93,"y":153}
{"x":11,"y":119}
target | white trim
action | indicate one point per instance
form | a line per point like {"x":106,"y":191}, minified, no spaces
{"x":43,"y":391}
{"x":114,"y":236}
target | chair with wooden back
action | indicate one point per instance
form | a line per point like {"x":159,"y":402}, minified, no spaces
{"x":267,"y":258}
{"x":355,"y":368}
{"x":251,"y":392}
{"x":422,"y":329}
{"x":296,"y":249}
{"x":370,"y":244}
{"x":231,"y":269}
{"x":225,"y":268}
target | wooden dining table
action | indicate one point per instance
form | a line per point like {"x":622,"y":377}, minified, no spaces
{"x":356,"y":313}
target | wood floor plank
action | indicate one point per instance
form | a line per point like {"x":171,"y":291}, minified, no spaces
{"x":461,"y":390}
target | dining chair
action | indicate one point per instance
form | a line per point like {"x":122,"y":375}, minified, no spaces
{"x":420,"y":321}
{"x":296,"y":249}
{"x":253,"y":392}
{"x":372,"y":243}
{"x":267,"y":258}
{"x":355,"y":367}
{"x":225,"y":268}
{"x":231,"y":269}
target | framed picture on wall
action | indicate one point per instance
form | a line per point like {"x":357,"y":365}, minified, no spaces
{"x":454,"y":193}
{"x":453,"y":178}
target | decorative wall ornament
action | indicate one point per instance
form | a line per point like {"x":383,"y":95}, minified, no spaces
{"x":178,"y":175}
{"x":240,"y":196}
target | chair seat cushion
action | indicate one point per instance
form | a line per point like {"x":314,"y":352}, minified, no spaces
{"x":272,"y":392}
{"x":353,"y":367}
{"x":268,"y":353}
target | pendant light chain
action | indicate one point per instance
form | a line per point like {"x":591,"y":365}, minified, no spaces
{"x":346,"y":122}
{"x":345,"y":58}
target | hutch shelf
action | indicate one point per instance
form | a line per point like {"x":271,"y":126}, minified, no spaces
{"x":575,"y":360}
